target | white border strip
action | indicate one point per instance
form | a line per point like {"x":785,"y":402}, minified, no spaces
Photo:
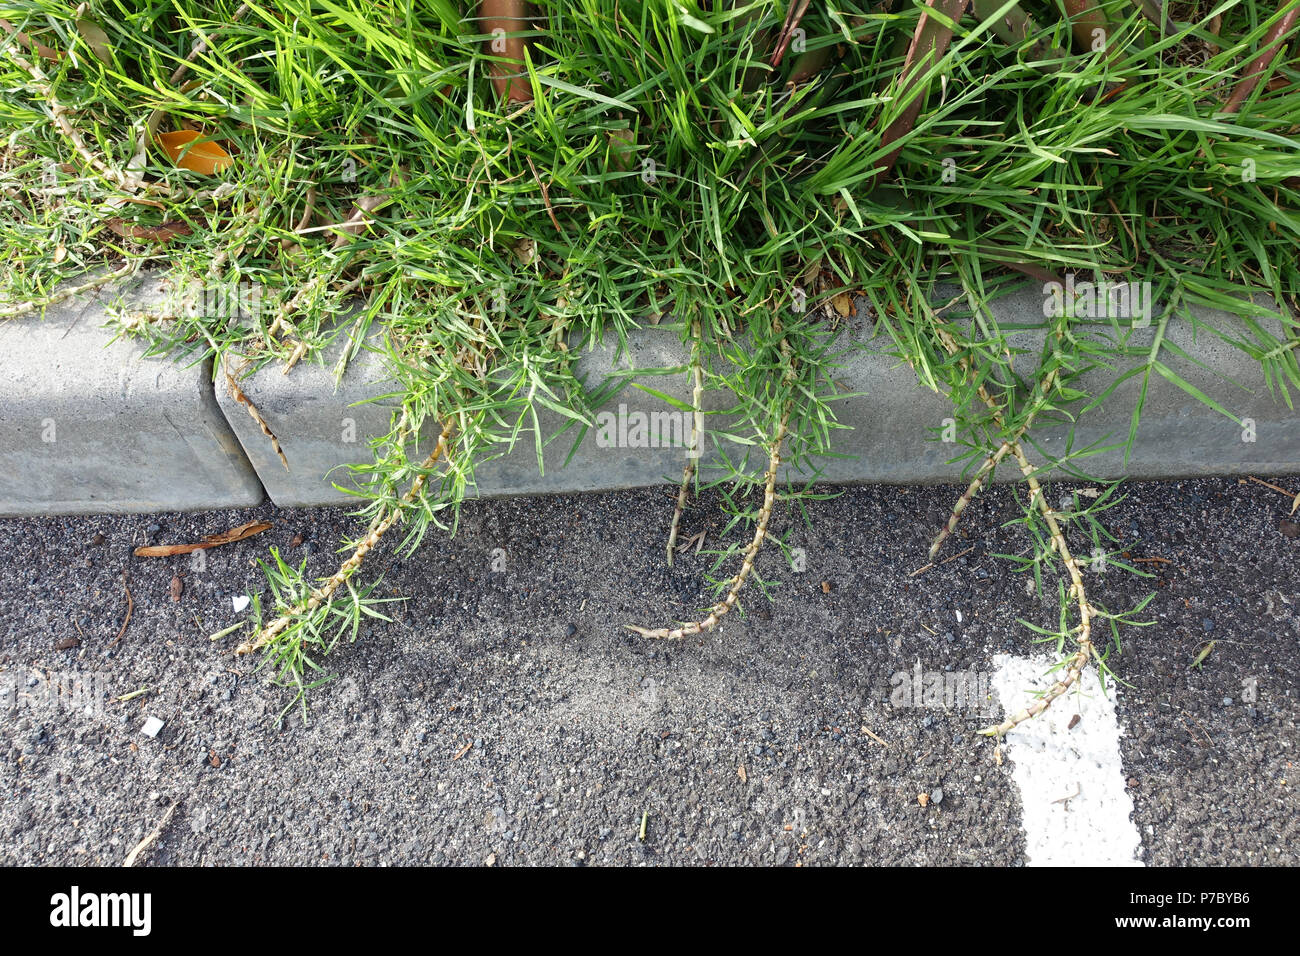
{"x":1077,"y":807}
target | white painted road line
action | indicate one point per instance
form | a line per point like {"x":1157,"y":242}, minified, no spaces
{"x":1077,"y":808}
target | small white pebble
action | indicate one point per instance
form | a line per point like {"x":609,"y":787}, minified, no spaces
{"x":959,"y":617}
{"x":240,"y":602}
{"x":151,"y":727}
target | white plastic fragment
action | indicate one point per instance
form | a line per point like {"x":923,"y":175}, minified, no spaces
{"x":239,"y":602}
{"x":152,"y":727}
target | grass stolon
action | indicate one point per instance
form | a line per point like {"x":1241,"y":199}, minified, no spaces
{"x":508,"y":185}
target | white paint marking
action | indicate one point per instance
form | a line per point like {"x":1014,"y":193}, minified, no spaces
{"x":1077,"y":807}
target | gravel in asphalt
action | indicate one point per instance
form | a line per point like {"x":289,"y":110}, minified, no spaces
{"x":506,"y":717}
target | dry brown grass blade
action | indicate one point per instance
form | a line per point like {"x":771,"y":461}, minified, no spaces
{"x":154,"y":835}
{"x":37,"y":47}
{"x":130,"y":606}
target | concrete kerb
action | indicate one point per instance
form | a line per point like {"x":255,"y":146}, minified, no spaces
{"x":893,"y":422}
{"x":144,"y":436}
{"x":92,"y":426}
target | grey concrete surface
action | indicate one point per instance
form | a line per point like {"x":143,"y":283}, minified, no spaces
{"x":506,"y":717}
{"x":131,"y":434}
{"x":892,"y":421}
{"x":90,"y":427}
{"x":323,"y":429}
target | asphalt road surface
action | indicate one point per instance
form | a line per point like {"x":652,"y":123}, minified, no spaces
{"x":506,"y":717}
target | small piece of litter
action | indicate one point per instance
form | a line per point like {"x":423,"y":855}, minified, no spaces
{"x":239,"y":602}
{"x":152,"y":726}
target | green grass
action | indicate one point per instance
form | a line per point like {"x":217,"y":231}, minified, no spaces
{"x":661,"y":167}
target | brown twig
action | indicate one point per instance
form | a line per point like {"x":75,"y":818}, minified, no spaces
{"x":1272,"y":44}
{"x":792,"y":18}
{"x":866,"y":730}
{"x":130,"y":606}
{"x":546,"y":197}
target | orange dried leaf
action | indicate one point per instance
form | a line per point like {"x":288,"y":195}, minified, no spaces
{"x":187,"y":152}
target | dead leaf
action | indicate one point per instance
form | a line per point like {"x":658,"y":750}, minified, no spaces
{"x":189,"y":150}
{"x":622,"y":147}
{"x":843,"y":303}
{"x":211,"y":541}
{"x":923,"y":799}
{"x":96,"y":39}
{"x":740,"y":772}
{"x":357,"y":221}
{"x":525,"y":251}
{"x":177,"y":587}
{"x":161,"y":233}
